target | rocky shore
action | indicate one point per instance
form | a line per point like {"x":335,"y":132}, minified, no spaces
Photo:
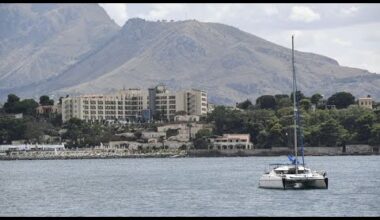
{"x":173,"y":153}
{"x":86,"y":154}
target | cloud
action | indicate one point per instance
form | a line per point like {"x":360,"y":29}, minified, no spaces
{"x":341,"y":42}
{"x":163,"y":11}
{"x":350,"y":10}
{"x":271,"y":10}
{"x":304,"y":14}
{"x":117,"y":12}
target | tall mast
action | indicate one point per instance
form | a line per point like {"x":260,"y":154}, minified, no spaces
{"x":295,"y":106}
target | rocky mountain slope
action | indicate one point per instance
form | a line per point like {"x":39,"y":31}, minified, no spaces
{"x":38,"y":41}
{"x":230,"y":64}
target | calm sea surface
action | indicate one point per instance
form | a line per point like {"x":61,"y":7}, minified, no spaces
{"x":183,"y":187}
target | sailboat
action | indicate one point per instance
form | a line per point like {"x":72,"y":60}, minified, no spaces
{"x":294,"y":175}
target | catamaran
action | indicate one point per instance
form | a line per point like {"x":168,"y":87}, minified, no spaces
{"x":294,"y":175}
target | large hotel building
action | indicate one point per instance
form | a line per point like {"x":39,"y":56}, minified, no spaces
{"x":135,"y":104}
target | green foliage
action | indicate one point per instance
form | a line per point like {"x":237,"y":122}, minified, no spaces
{"x":45,"y":100}
{"x":331,"y":133}
{"x":375,"y":135}
{"x":299,"y":96}
{"x":364,"y":126}
{"x":14,"y":105}
{"x":201,"y":143}
{"x":244,"y":105}
{"x":305,"y":104}
{"x":283,"y":103}
{"x":266,"y":102}
{"x":203,"y":133}
{"x":84,"y":134}
{"x":316,"y":98}
{"x":12,"y":98}
{"x":138,"y":134}
{"x":11,"y":129}
{"x":171,"y":132}
{"x":341,"y":100}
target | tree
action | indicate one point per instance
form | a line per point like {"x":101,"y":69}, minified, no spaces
{"x":299,"y":96}
{"x":375,"y":135}
{"x":171,"y":132}
{"x":331,"y":133}
{"x":281,"y":96}
{"x":305,"y":104}
{"x":266,"y":102}
{"x":315,"y":98}
{"x":364,"y":127}
{"x":283,"y":102}
{"x":60,"y":100}
{"x":203,"y":133}
{"x":26,"y":106}
{"x":14,"y":105}
{"x":11,"y":102}
{"x":341,"y":100}
{"x":45,"y":100}
{"x":33,"y":132}
{"x":275,"y":136}
{"x":137,"y":134}
{"x":244,"y":105}
{"x":200,"y":141}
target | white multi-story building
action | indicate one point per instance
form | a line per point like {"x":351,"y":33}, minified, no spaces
{"x":135,"y":104}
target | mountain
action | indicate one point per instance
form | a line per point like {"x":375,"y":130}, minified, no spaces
{"x":230,"y":64}
{"x":39,"y":41}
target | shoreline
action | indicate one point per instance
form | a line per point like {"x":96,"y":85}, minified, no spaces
{"x":115,"y":154}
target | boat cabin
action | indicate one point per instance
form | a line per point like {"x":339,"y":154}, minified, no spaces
{"x":290,"y":169}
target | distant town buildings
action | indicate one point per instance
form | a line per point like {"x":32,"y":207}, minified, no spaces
{"x":49,"y":109}
{"x":365,"y":102}
{"x":231,"y":141}
{"x":135,"y":105}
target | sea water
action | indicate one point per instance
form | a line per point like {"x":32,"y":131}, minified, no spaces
{"x":224,"y":186}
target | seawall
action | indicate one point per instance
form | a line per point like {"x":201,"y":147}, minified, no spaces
{"x":124,"y":153}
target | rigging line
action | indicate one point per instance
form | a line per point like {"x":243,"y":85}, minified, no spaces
{"x":298,"y":113}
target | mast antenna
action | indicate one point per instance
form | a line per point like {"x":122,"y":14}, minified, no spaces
{"x":295,"y":106}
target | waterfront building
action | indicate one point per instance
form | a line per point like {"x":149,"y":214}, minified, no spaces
{"x":365,"y":102}
{"x":135,"y":105}
{"x":49,"y":109}
{"x":231,"y":141}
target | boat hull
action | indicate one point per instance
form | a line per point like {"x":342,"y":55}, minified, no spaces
{"x":286,"y":183}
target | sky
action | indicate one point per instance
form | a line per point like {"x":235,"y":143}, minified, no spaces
{"x":348,"y":33}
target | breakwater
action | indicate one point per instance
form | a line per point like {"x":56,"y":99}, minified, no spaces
{"x":125,"y":153}
{"x":87,"y":154}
